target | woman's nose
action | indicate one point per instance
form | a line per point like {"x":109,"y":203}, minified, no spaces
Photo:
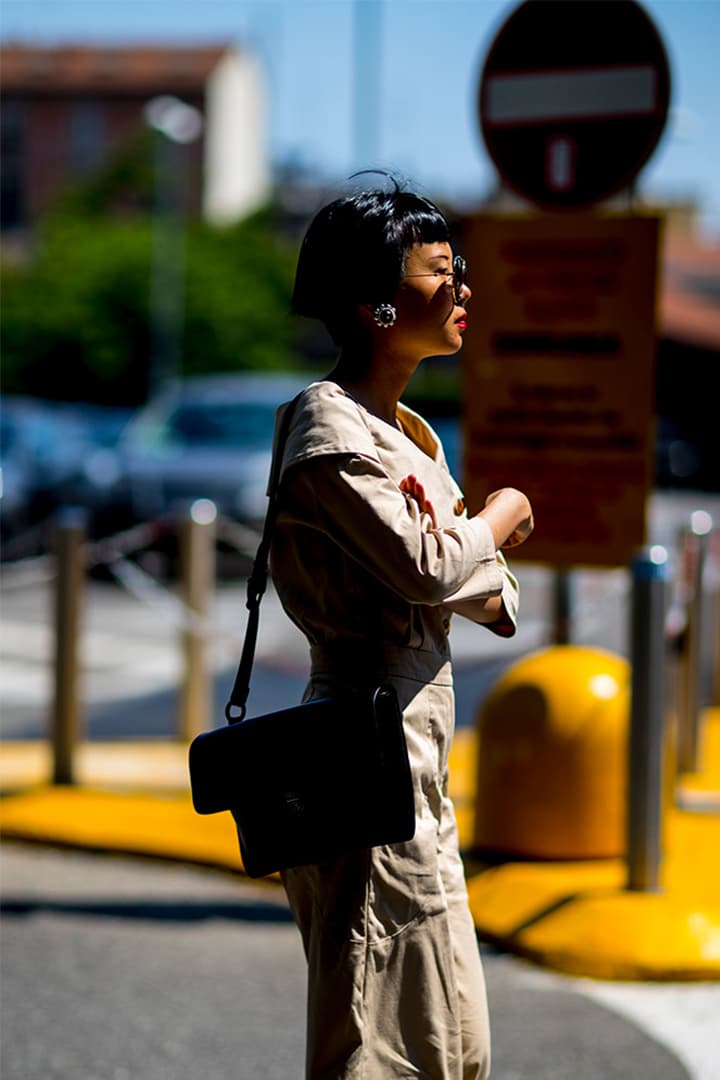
{"x":465,"y":292}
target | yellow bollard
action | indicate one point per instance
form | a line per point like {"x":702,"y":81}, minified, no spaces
{"x":552,"y":757}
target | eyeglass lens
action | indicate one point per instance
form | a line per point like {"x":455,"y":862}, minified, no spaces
{"x":459,"y":276}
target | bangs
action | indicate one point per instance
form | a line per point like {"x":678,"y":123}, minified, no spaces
{"x":418,"y":223}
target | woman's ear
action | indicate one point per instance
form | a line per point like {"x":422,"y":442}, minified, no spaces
{"x":365,"y":317}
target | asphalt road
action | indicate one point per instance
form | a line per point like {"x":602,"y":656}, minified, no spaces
{"x":121,"y":969}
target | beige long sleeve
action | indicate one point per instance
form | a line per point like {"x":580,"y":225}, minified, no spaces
{"x":355,"y":502}
{"x":471,"y":605}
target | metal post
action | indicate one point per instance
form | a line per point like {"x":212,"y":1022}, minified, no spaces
{"x":694,"y":553}
{"x":562,"y":607}
{"x":198,"y":576}
{"x":647,"y":729}
{"x":69,"y":541}
{"x":715,"y":652}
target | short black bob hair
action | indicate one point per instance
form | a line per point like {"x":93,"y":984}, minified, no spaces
{"x":354,"y":253}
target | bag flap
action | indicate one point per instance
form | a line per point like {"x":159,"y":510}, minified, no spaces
{"x":244,"y":755}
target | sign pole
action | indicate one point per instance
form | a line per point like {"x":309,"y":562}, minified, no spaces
{"x":647,"y":721}
{"x":562,"y":606}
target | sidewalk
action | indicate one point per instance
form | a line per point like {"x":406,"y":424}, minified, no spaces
{"x":575,"y":917}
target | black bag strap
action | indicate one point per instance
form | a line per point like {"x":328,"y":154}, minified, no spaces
{"x":257,"y":581}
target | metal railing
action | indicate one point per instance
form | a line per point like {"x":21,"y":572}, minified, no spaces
{"x":188,"y":610}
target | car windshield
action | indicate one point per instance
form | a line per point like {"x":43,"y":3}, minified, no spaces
{"x":228,"y":425}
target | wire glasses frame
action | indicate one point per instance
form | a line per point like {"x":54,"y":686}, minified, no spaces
{"x":458,"y":274}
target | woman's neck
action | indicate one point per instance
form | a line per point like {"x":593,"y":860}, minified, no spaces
{"x":376,"y":382}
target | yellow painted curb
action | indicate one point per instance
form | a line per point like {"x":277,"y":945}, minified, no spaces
{"x":578,"y":919}
{"x":626,"y":935}
{"x":137,"y":824}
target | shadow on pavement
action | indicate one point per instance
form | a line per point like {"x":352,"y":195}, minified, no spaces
{"x":190,"y":911}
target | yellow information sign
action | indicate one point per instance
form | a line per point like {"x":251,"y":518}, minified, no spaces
{"x":558,"y":371}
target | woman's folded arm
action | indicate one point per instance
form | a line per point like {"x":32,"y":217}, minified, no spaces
{"x":354,"y":501}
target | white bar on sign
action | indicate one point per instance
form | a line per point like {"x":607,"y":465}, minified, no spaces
{"x":560,"y":163}
{"x":535,"y":98}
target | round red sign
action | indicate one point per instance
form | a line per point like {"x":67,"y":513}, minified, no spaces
{"x":573,"y":99}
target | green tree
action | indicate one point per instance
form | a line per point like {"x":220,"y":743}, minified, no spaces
{"x":76,"y":320}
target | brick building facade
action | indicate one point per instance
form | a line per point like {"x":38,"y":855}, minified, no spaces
{"x":67,"y":110}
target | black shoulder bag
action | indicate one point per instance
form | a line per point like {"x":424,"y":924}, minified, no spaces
{"x":311,"y":782}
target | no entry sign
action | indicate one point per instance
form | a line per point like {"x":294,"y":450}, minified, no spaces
{"x":573,"y":99}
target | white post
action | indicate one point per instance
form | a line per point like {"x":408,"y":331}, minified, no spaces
{"x":198,"y":577}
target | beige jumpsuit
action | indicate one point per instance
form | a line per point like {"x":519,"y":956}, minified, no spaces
{"x":395,"y":984}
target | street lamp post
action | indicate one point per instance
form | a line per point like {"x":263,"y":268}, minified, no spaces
{"x":174,"y":125}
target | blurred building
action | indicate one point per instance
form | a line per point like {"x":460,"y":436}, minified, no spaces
{"x":690,"y":294}
{"x":68,"y":110}
{"x":688,"y":354}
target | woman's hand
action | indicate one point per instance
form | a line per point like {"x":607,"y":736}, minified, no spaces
{"x":509,"y":515}
{"x":412,"y":487}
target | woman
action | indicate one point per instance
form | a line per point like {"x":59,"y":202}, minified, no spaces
{"x":373,"y":552}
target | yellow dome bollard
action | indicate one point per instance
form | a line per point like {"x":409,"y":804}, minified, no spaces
{"x":552,"y":756}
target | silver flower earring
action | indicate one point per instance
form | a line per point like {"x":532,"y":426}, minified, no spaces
{"x":385,"y":315}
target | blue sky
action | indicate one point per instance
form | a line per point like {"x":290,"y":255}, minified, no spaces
{"x":430,"y":60}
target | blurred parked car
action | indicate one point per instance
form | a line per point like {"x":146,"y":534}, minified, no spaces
{"x":40,"y":448}
{"x":100,"y":427}
{"x":16,"y":480}
{"x":46,"y":447}
{"x":680,"y":460}
{"x":201,"y":437}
